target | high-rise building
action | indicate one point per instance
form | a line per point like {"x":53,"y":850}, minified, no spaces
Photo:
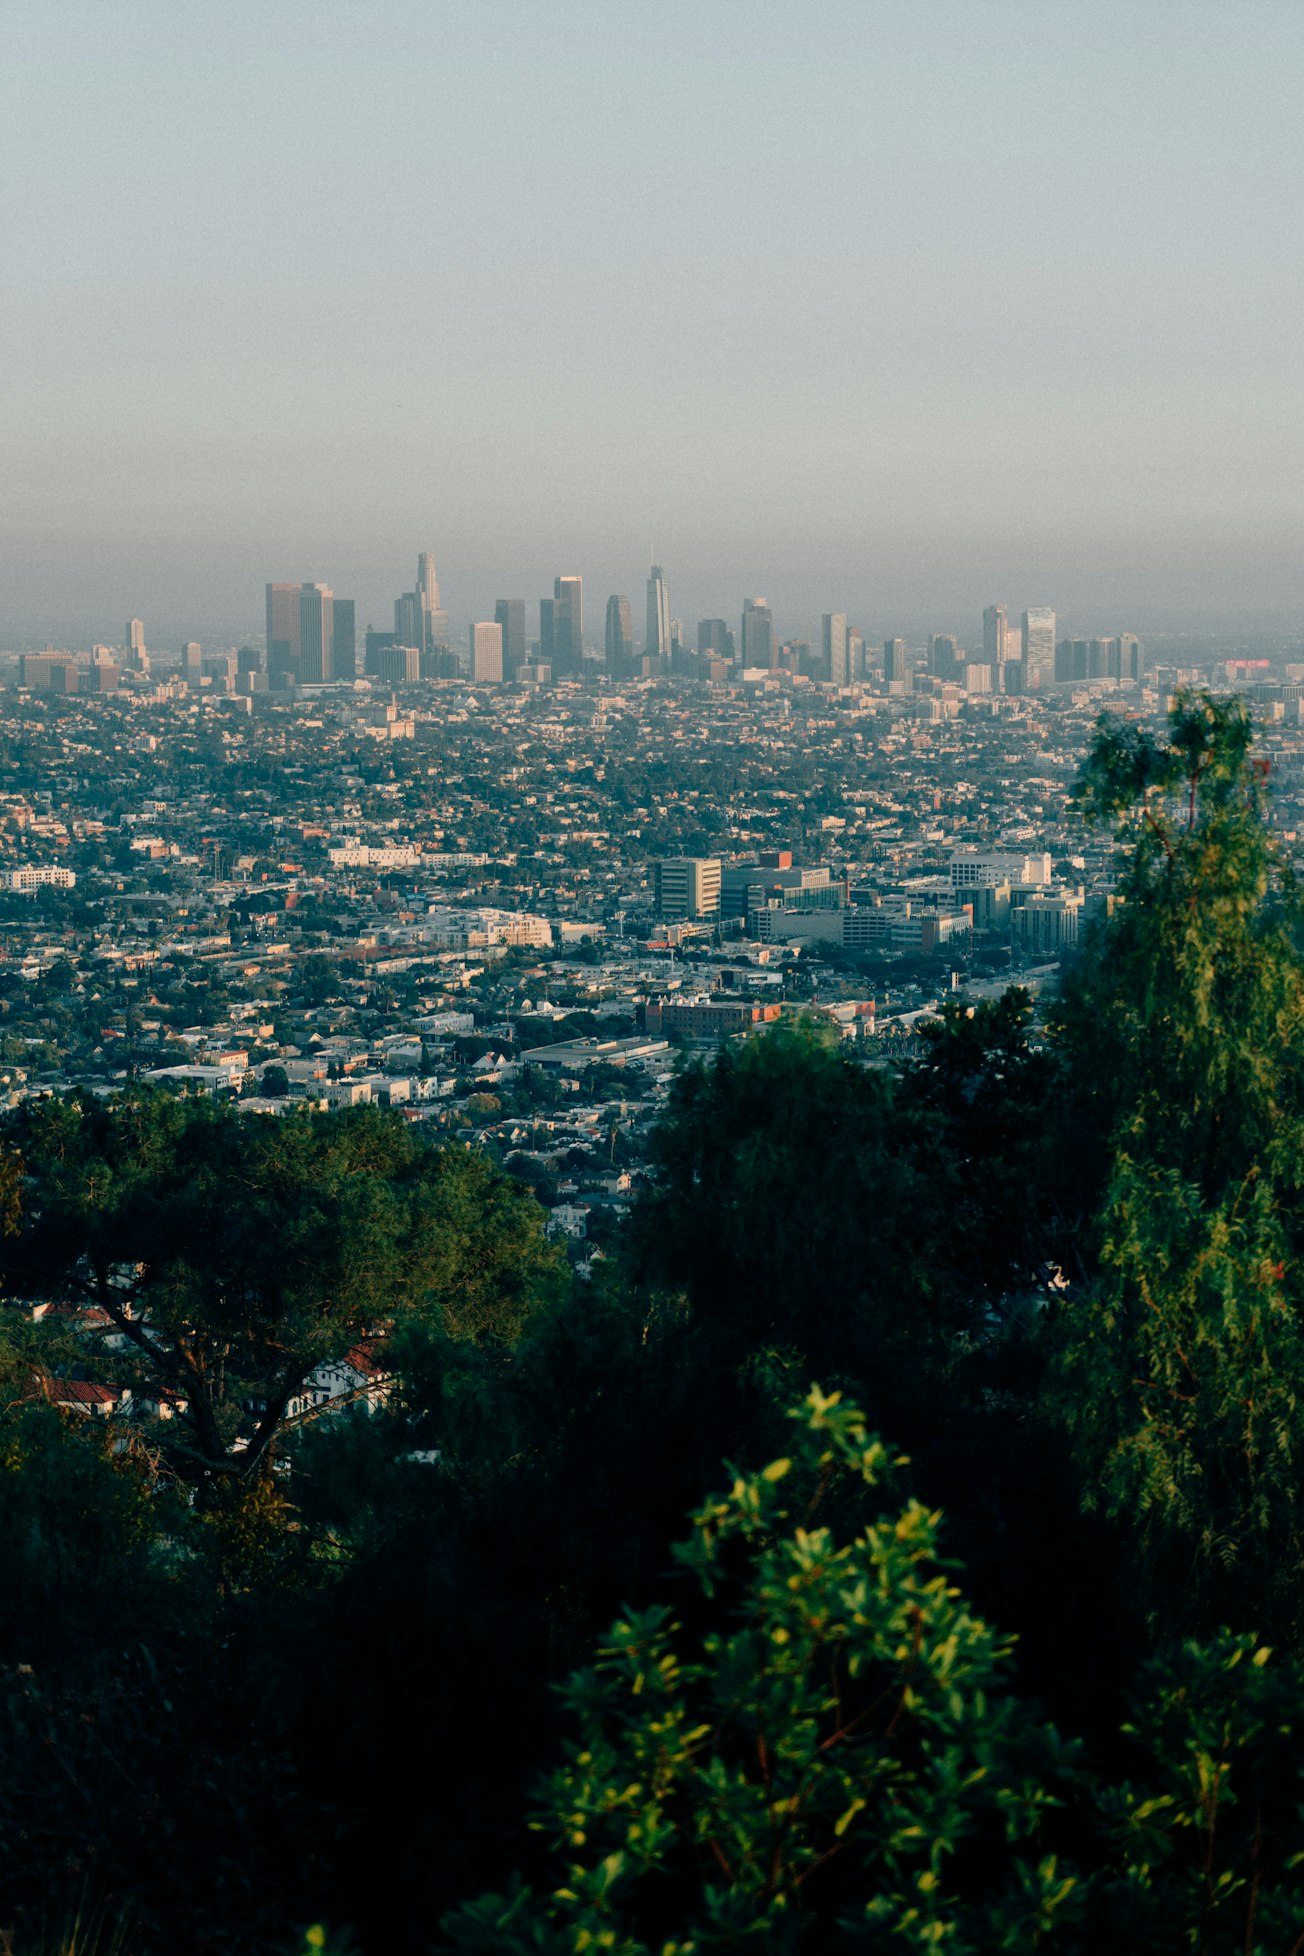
{"x":394,"y":665}
{"x":1129,"y":656}
{"x":191,"y":656}
{"x":855,"y":657}
{"x":835,"y":648}
{"x":995,"y":628}
{"x":944,"y":657}
{"x":410,"y":621}
{"x":657,"y":642}
{"x":249,"y":659}
{"x":137,"y":656}
{"x":434,"y":616}
{"x":316,"y":634}
{"x":619,"y":647}
{"x":1038,"y":646}
{"x":758,"y":633}
{"x":547,"y":632}
{"x":282,"y":631}
{"x":375,"y":646}
{"x":568,"y":626}
{"x":894,"y":660}
{"x":344,"y":664}
{"x":687,"y":886}
{"x":509,"y":614}
{"x":421,"y":620}
{"x":715,"y":638}
{"x":487,"y":654}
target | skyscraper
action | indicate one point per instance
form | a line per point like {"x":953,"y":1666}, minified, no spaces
{"x":758,"y":633}
{"x":620,"y":637}
{"x":548,"y":632}
{"x":410,"y":621}
{"x":487,"y":654}
{"x":714,"y":637}
{"x":657,"y":642}
{"x":137,"y":656}
{"x":995,"y":628}
{"x":316,"y":634}
{"x":894,"y":660}
{"x":944,"y":661}
{"x":282,"y":632}
{"x":344,"y":663}
{"x":835,"y":648}
{"x":434,"y":616}
{"x":568,"y":625}
{"x":1038,"y":646}
{"x":509,"y":614}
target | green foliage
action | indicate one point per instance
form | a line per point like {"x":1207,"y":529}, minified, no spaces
{"x":1183,"y":1033}
{"x":844,"y":1751}
{"x":234,"y":1254}
{"x":1211,"y":1840}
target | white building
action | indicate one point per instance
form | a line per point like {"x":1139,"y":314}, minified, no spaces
{"x":479,"y":929}
{"x":37,"y":876}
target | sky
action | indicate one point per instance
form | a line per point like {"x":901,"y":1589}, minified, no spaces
{"x":900,"y":308}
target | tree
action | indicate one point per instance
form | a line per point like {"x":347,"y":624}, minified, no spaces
{"x":234,"y":1254}
{"x":838,"y":1761}
{"x":1183,"y":1032}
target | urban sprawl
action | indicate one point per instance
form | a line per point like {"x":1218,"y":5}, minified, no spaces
{"x":503,"y":891}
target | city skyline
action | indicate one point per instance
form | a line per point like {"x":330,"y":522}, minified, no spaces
{"x":202,"y":371}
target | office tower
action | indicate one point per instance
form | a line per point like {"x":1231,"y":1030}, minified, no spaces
{"x":1129,"y":656}
{"x":509,"y":614}
{"x":137,"y":656}
{"x":894,"y":660}
{"x":758,"y":633}
{"x":657,"y":642}
{"x":487,"y":654}
{"x":316,"y":634}
{"x":855,"y":657}
{"x":282,"y":631}
{"x":995,"y":628}
{"x":410,"y":621}
{"x":547,"y":632}
{"x":619,"y":646}
{"x":944,"y":657}
{"x":1038,"y":647}
{"x":375,"y":645}
{"x":834,"y":649}
{"x":433,"y":615}
{"x":344,"y":664}
{"x":687,"y":886}
{"x":249,"y":659}
{"x":191,"y":655}
{"x":427,"y":588}
{"x":394,"y":665}
{"x":715,"y":638}
{"x":568,"y":625}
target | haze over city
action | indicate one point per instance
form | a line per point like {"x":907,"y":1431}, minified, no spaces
{"x":894,"y":310}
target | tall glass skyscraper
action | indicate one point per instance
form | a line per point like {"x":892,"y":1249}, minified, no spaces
{"x":620,"y":636}
{"x":657,"y":642}
{"x":568,"y":625}
{"x":758,"y":633}
{"x":1038,"y":646}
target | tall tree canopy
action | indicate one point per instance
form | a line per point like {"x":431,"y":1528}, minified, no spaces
{"x":233,"y":1253}
{"x":1182,"y":1036}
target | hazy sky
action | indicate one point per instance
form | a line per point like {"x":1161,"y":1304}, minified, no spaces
{"x":904,"y":307}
